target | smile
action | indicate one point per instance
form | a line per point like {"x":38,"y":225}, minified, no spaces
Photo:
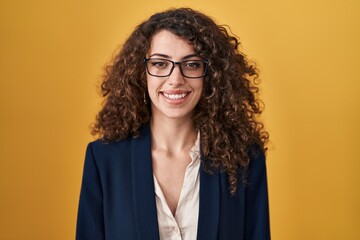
{"x":175,"y":96}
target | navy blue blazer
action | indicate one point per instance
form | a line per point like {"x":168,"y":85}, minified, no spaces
{"x":117,"y":199}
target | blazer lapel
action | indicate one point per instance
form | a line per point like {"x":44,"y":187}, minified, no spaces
{"x":209,"y":205}
{"x":143,"y":186}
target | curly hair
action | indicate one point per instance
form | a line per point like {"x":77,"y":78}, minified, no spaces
{"x":227,"y":113}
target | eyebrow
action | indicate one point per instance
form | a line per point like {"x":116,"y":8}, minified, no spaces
{"x":167,"y":56}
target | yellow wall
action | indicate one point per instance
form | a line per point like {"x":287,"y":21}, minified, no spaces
{"x":51,"y":59}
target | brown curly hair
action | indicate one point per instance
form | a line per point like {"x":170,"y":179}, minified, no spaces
{"x":227,"y":113}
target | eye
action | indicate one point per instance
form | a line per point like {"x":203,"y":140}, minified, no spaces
{"x":192,"y":65}
{"x":158,"y":63}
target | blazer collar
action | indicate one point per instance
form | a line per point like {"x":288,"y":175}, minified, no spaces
{"x":143,"y":186}
{"x":209,"y":205}
{"x":144,"y":193}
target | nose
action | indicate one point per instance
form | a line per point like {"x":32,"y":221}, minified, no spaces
{"x":176,"y":78}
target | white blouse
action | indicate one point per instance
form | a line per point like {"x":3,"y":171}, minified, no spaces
{"x":182,"y":226}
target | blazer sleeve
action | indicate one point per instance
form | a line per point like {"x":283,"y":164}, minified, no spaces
{"x":257,"y":225}
{"x":90,"y":220}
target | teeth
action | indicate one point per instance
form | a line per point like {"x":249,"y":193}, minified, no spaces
{"x":175,"y":96}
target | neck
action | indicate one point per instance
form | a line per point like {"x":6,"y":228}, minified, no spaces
{"x":172,"y":135}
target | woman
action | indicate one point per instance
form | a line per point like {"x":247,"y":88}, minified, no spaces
{"x":181,"y":153}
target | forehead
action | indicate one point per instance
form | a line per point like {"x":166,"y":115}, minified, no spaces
{"x":166,"y":43}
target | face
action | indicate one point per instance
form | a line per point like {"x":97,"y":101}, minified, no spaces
{"x":174,"y":96}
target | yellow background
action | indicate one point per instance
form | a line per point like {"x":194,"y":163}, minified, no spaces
{"x":52,"y":55}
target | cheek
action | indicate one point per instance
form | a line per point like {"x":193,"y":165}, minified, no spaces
{"x":199,"y":87}
{"x":150,"y":84}
{"x":198,"y":91}
{"x":153,"y":85}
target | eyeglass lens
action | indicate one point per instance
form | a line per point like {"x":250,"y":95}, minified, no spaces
{"x":163,"y":67}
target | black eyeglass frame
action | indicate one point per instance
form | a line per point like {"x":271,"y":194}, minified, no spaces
{"x":173,"y":66}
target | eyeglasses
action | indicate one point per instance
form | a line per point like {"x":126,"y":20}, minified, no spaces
{"x":160,"y":67}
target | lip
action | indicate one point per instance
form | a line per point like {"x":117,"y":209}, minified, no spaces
{"x":179,"y":96}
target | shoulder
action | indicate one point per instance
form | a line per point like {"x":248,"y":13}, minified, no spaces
{"x":256,"y":171}
{"x":256,"y":155}
{"x":109,"y":151}
{"x":103,"y":148}
{"x":107,"y":154}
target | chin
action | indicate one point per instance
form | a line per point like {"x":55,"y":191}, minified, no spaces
{"x":178,"y":115}
{"x":174,"y":113}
